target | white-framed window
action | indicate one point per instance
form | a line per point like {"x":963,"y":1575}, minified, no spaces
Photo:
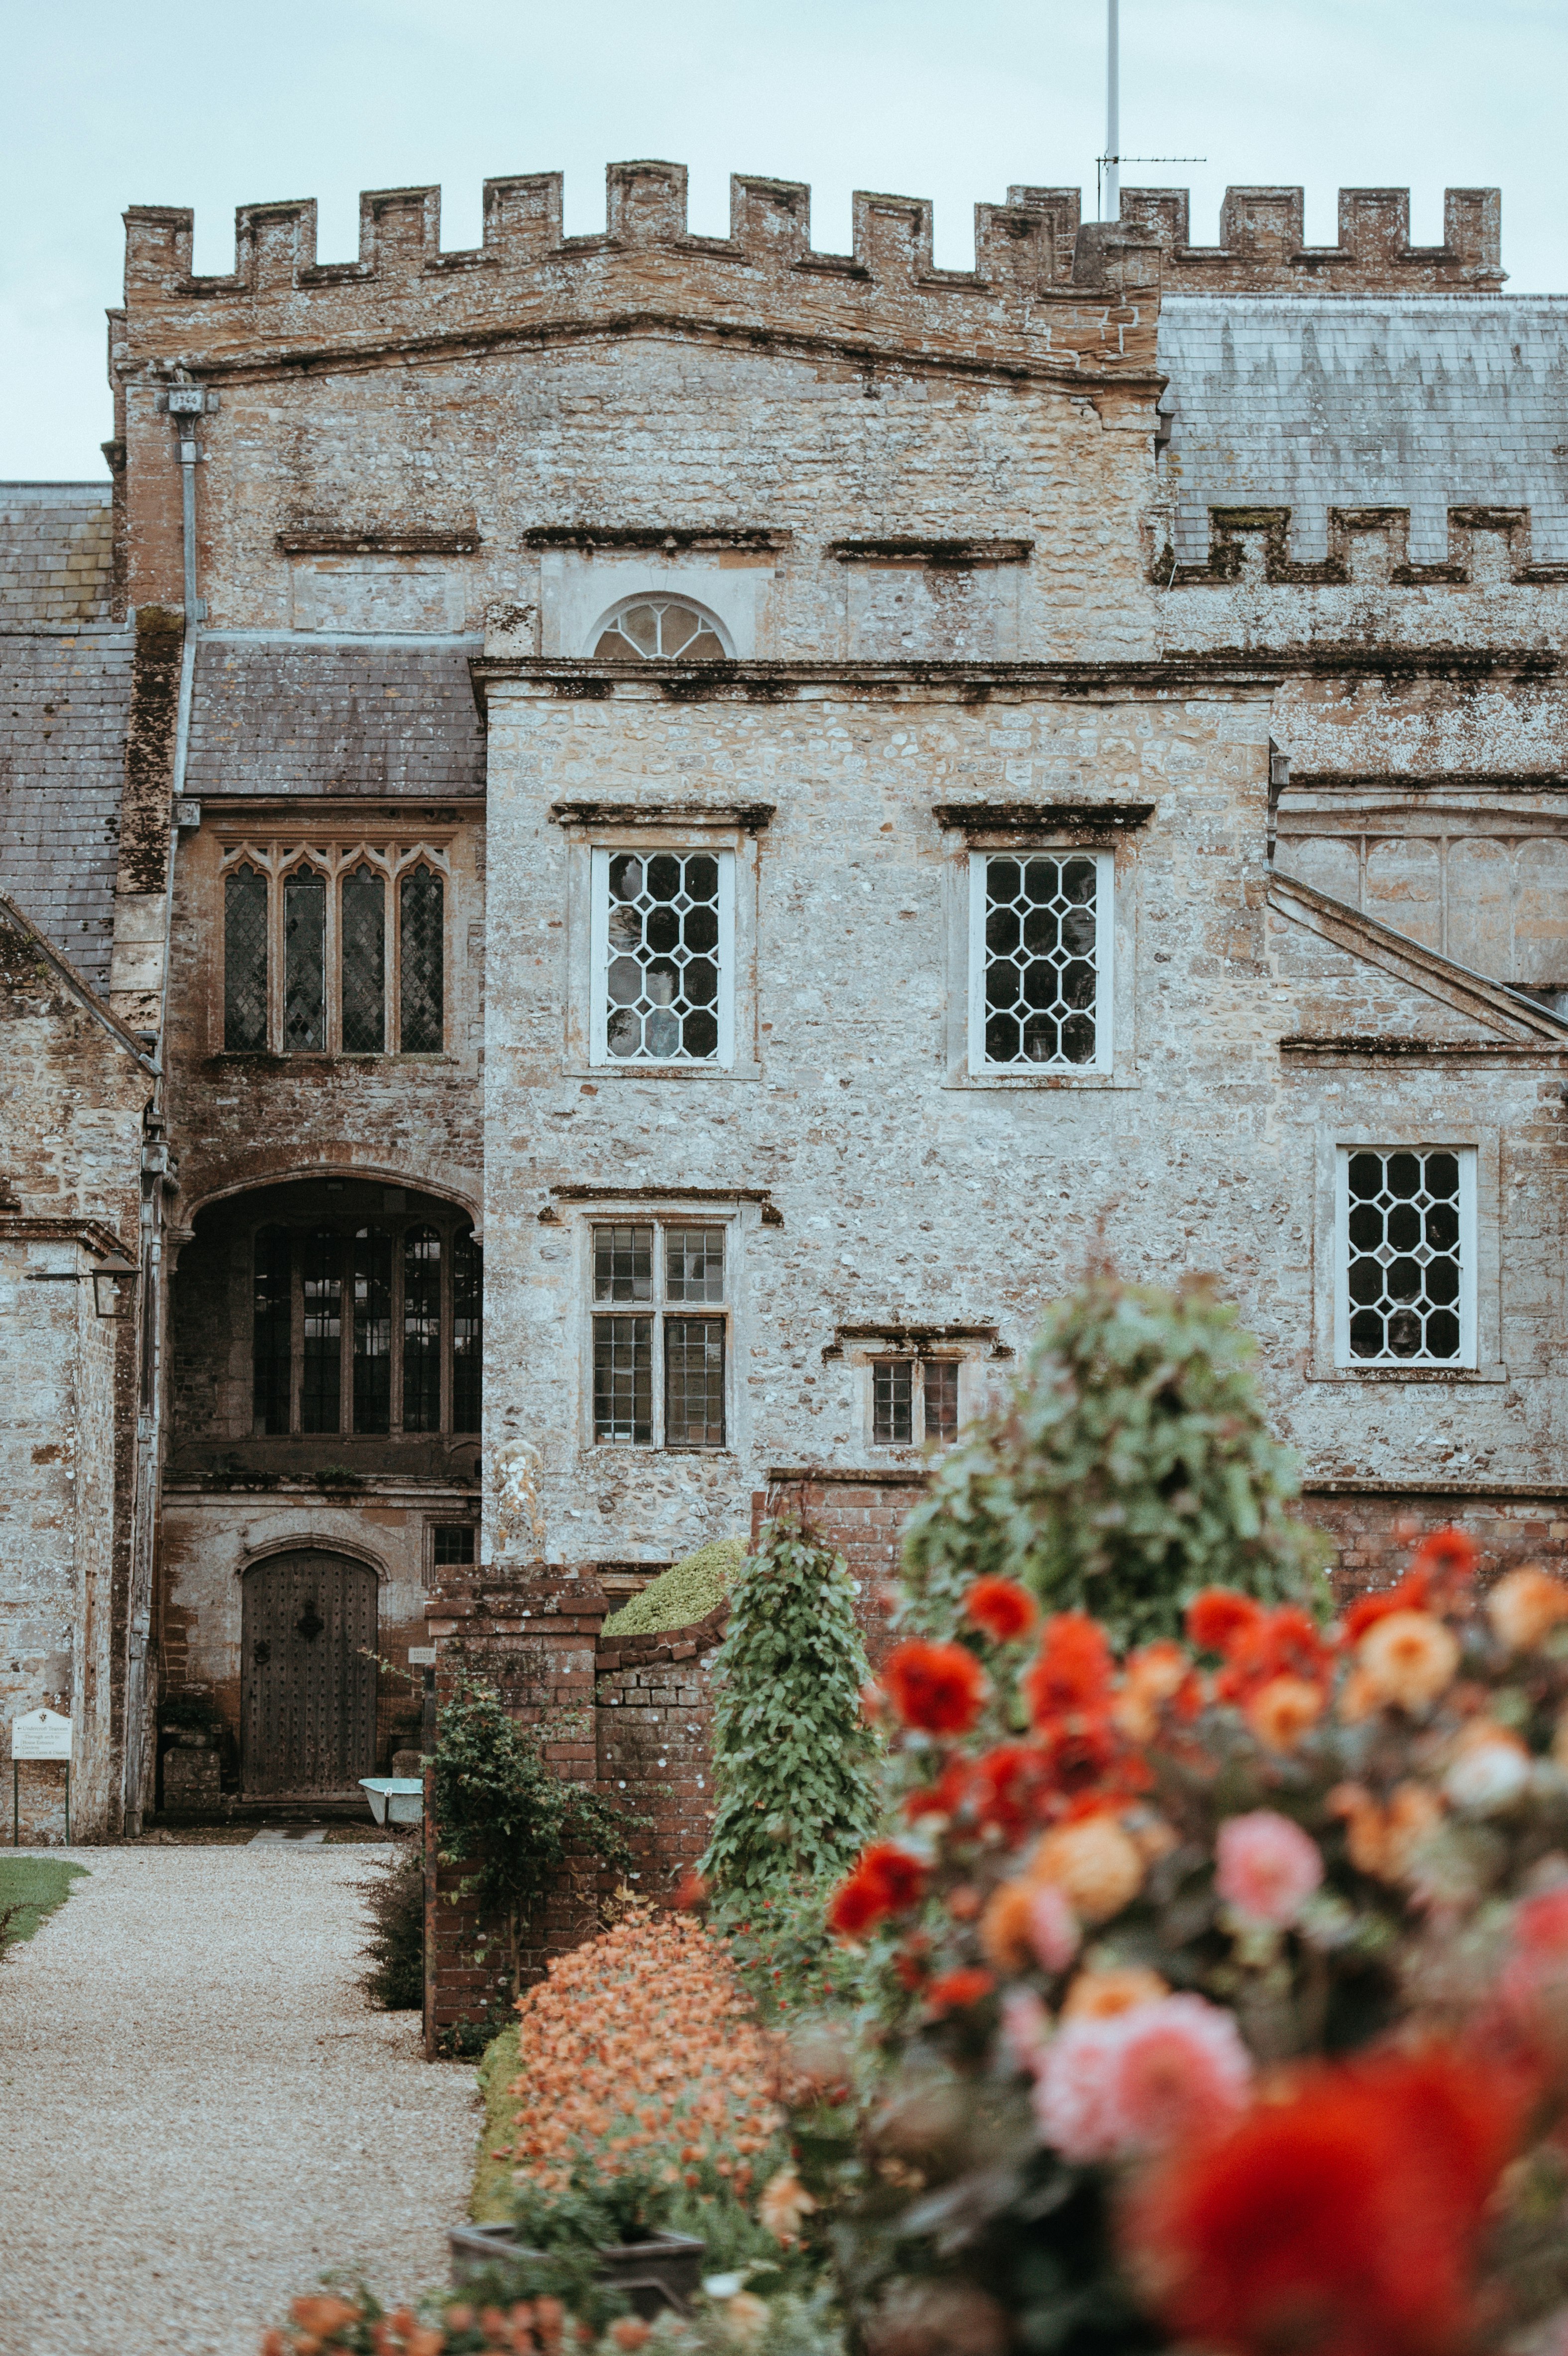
{"x":1405,"y":1258}
{"x":660,"y":1322}
{"x":913,"y":1400}
{"x":662,"y":950}
{"x":1041,"y":942}
{"x":656,"y":629}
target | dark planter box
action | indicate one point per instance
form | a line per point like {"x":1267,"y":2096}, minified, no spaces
{"x":654,"y":2275}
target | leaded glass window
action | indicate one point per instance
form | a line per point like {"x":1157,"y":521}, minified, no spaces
{"x":660,"y":629}
{"x":422,"y":1330}
{"x":662,"y":956}
{"x":467,"y":1331}
{"x":326,"y":1363}
{"x":660,"y":1377}
{"x":372,"y":1330}
{"x":322,"y":1288}
{"x":1041,"y":943}
{"x":245,"y":960}
{"x":422,"y":951}
{"x":913,"y":1400}
{"x":305,"y":962}
{"x":364,"y":961}
{"x":272,"y":1331}
{"x":1407,"y":1256}
{"x":325,"y":925}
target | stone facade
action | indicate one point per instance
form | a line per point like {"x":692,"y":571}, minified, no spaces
{"x":1233,"y":578}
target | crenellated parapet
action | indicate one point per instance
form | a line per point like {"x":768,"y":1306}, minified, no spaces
{"x":1263,"y":247}
{"x":1367,"y":546}
{"x":1035,"y":303}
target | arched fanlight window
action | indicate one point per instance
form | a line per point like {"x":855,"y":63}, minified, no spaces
{"x":660,"y":629}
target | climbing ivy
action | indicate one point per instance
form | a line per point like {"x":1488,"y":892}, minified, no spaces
{"x":793,"y":1756}
{"x":500,"y":1809}
{"x":1129,"y":1467}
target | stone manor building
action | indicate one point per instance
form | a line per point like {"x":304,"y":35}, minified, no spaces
{"x":621,"y":853}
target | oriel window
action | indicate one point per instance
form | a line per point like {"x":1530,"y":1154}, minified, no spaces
{"x":329,"y":951}
{"x":661,"y":1334}
{"x":375,"y":1328}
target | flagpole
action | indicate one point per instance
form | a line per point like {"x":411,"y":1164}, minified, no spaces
{"x":1113,"y":184}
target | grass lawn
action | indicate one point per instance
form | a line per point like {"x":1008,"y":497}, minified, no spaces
{"x":491,"y":2203}
{"x":34,"y":1886}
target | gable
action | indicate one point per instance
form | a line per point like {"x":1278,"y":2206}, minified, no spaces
{"x":1355,"y":978}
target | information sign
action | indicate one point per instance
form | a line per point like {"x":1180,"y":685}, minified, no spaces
{"x":41,"y":1734}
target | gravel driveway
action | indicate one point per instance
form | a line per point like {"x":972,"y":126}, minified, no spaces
{"x":199,"y":2113}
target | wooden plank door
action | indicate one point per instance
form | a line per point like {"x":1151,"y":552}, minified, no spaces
{"x":308,"y":1638}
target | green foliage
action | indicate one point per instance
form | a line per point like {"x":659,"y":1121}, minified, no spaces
{"x":689,"y":1589}
{"x":786,"y":1957}
{"x":490,"y":2202}
{"x":31,"y":1888}
{"x":501,"y":1810}
{"x":1130,"y":1467}
{"x":394,"y":1898}
{"x":793,"y":1759}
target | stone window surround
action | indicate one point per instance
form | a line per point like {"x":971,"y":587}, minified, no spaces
{"x":1105,"y":905}
{"x":582,"y":587}
{"x":861,"y":1348}
{"x":1331,"y":1141}
{"x":334,"y":852}
{"x":673,"y":1210}
{"x":1020,"y":828}
{"x":605,"y":958}
{"x":588,"y":828}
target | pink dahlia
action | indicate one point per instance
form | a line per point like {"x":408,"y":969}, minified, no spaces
{"x":1268,"y":1868}
{"x":1075,"y":2104}
{"x":1181,"y":2067}
{"x":1053,"y":1927}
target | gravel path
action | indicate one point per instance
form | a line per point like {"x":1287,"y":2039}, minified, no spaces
{"x":200,"y":2116}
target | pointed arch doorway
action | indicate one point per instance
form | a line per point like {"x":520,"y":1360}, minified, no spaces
{"x":308,"y":1637}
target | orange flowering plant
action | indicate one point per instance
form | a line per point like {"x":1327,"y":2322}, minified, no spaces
{"x":1133,"y":1910}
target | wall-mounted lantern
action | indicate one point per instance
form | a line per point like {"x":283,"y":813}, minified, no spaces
{"x":114,"y":1286}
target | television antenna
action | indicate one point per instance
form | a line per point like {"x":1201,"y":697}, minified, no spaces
{"x":1108,"y":167}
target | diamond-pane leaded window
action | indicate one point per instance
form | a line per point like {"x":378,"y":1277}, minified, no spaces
{"x":659,"y":1378}
{"x":245,"y":960}
{"x":1406,"y":1258}
{"x":1040,"y":960}
{"x":663,"y":954}
{"x":364,"y":937}
{"x":304,"y":966}
{"x":422,"y":949}
{"x":660,"y":629}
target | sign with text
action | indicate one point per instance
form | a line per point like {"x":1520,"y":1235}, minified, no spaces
{"x":41,"y":1734}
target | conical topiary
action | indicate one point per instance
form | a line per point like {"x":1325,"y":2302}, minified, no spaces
{"x":1129,"y":1467}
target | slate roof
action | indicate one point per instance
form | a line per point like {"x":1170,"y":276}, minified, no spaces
{"x":56,"y":553}
{"x":65,"y":698}
{"x":1313,"y":402}
{"x":275,"y":717}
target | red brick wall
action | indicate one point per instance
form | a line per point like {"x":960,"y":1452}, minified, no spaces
{"x":655,"y":1726}
{"x":861,"y":1516}
{"x":1372,"y":1532}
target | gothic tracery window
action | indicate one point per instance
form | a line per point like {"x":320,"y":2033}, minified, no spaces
{"x":331,"y":952}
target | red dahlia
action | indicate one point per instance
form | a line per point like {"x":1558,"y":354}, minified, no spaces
{"x":1002,"y":1608}
{"x":939,"y":1688}
{"x":1217,"y":1617}
{"x":1072,"y":1672}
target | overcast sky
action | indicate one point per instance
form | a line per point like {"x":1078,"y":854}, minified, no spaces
{"x":217,"y":105}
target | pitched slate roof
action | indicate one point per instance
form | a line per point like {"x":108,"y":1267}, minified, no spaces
{"x":65,"y":695}
{"x":1312,"y":402}
{"x":274,"y":716}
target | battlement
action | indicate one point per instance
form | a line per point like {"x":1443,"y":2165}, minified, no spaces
{"x":1032,"y":301}
{"x":1263,"y":247}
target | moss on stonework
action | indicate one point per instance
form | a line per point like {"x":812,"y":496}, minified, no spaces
{"x":490,"y":2203}
{"x":689,"y":1589}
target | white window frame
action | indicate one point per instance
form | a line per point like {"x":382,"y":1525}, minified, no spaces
{"x":656,"y":1309}
{"x":1104,"y":953}
{"x":1467,"y":1359}
{"x":599,"y":1056}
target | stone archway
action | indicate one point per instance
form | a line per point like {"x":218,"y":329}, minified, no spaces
{"x":308,"y":1674}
